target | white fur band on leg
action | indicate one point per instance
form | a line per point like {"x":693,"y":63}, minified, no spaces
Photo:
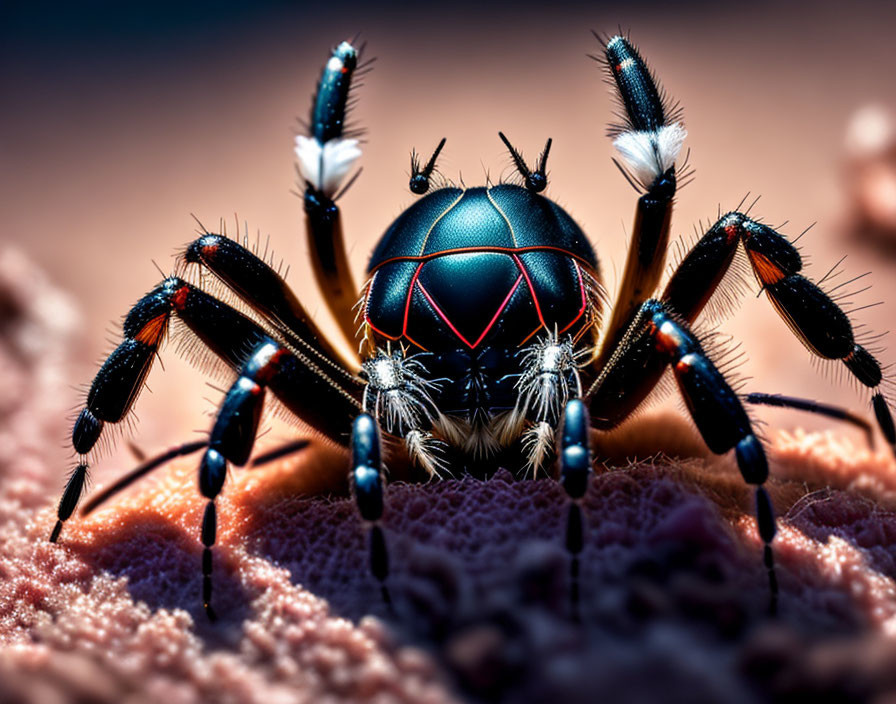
{"x":325,"y":166}
{"x":650,"y":154}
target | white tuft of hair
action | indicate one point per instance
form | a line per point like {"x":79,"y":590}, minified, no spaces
{"x":326,"y":165}
{"x":426,"y":452}
{"x":650,"y":153}
{"x":538,"y":441}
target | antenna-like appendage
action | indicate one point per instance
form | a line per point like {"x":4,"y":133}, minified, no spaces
{"x":537,"y":180}
{"x":419,"y":183}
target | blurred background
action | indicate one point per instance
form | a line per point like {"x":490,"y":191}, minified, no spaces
{"x":120,"y":120}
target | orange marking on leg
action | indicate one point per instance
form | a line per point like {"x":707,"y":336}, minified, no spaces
{"x":209,"y":250}
{"x":682,"y":366}
{"x":732,"y":230}
{"x":668,"y":339}
{"x":767,"y":271}
{"x":151,"y":333}
{"x":179,"y":299}
{"x":272,"y":366}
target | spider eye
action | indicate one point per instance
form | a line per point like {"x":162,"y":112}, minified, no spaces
{"x":419,"y":182}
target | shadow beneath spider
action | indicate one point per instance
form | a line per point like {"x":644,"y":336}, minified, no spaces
{"x":480,"y":579}
{"x":162,"y":565}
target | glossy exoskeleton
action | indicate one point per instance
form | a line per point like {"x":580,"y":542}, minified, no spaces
{"x":482,"y":339}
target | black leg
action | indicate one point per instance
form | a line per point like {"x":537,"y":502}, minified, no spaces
{"x":318,"y":399}
{"x":658,"y":337}
{"x":139,"y":472}
{"x":325,"y":157}
{"x":823,"y":409}
{"x":575,"y":471}
{"x":649,"y":141}
{"x":265,"y":291}
{"x":300,"y":388}
{"x":367,"y":483}
{"x":811,"y":314}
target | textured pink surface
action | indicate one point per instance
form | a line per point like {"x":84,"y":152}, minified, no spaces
{"x":673,"y":591}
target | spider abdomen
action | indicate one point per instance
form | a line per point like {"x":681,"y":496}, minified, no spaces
{"x":480,"y":267}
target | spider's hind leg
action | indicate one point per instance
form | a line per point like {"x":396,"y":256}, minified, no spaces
{"x":819,"y":323}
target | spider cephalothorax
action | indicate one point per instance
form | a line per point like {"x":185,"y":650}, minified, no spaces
{"x":480,"y":325}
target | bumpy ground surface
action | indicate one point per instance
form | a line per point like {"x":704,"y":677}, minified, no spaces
{"x":673,"y":595}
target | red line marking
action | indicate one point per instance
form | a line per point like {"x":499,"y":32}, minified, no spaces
{"x":407,"y":304}
{"x":522,"y":268}
{"x":487,"y":327}
{"x":584,"y":300}
{"x":500,"y":250}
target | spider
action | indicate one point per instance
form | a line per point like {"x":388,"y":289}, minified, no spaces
{"x":481,"y":327}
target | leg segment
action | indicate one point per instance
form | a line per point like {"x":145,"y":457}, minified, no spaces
{"x":649,"y":142}
{"x":367,"y":482}
{"x":232,"y":438}
{"x":658,"y":337}
{"x":228,"y":334}
{"x":814,"y":318}
{"x":575,"y":471}
{"x":265,"y":291}
{"x":324,"y":159}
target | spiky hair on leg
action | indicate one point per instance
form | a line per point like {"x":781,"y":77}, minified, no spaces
{"x":330,"y":149}
{"x":650,"y":133}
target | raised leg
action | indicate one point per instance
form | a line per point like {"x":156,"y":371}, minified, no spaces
{"x":649,"y":141}
{"x":325,"y":158}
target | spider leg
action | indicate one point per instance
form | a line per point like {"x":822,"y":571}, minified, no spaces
{"x":819,"y":323}
{"x":271,"y":366}
{"x":324,"y":159}
{"x":658,"y":337}
{"x":367,"y":482}
{"x":399,"y":396}
{"x":649,"y":141}
{"x":810,"y":406}
{"x":575,"y":470}
{"x":262,"y":288}
{"x":226,"y":333}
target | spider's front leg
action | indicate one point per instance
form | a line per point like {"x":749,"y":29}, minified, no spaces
{"x":294,"y":379}
{"x":656,"y":339}
{"x":325,"y":157}
{"x":649,"y":142}
{"x":398,"y":396}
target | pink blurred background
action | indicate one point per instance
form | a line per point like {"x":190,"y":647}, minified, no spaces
{"x":118,"y":124}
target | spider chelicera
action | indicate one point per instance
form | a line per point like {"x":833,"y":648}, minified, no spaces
{"x":480,"y":325}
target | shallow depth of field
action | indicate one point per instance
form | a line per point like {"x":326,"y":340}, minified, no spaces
{"x":119,"y":124}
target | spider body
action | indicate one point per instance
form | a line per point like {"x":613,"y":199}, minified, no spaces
{"x":469,"y":276}
{"x":480,"y":326}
